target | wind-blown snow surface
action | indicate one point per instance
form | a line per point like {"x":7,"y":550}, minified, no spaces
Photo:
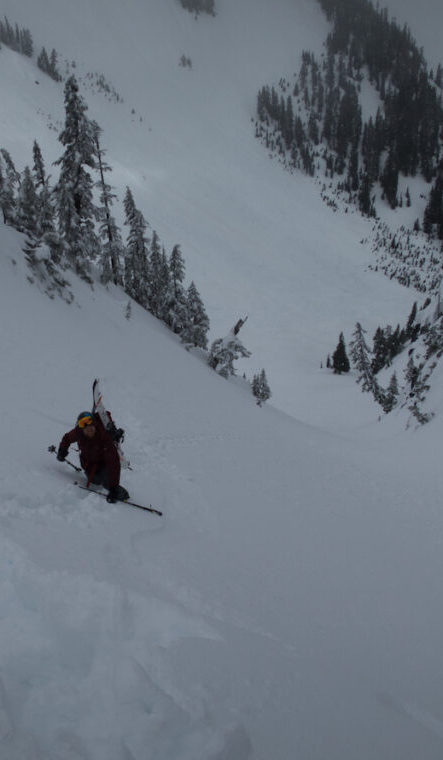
{"x":287,"y":604}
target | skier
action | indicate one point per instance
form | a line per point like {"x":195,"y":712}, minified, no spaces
{"x":98,"y":454}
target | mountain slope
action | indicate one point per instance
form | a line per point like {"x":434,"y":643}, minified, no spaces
{"x":286,"y":602}
{"x":256,"y":240}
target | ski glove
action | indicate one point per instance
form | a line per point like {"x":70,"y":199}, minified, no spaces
{"x":62,"y":454}
{"x":112,"y":496}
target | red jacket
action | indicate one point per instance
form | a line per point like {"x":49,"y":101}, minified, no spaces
{"x":96,"y":452}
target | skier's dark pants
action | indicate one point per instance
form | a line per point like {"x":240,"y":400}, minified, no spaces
{"x":101,"y":477}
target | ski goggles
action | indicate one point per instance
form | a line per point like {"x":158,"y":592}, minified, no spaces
{"x":84,"y":421}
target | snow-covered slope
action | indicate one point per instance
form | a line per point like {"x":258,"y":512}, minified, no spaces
{"x":256,"y":239}
{"x":286,"y":604}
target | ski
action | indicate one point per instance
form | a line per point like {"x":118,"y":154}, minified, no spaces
{"x":99,"y":408}
{"x":131,"y":503}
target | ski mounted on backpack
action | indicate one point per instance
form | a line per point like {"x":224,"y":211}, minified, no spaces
{"x":100,"y":409}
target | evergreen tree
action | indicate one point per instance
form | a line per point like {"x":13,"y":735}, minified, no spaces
{"x":9,"y":179}
{"x":112,"y":251}
{"x":136,"y":277}
{"x":433,"y":215}
{"x":43,"y":61}
{"x":340,"y":361}
{"x":411,"y":327}
{"x":389,"y":399}
{"x":380,"y":351}
{"x":364,"y":196}
{"x":418,"y":383}
{"x":198,"y":6}
{"x":53,"y":66}
{"x":76,"y":211}
{"x":360,"y":355}
{"x":260,"y":388}
{"x":389,"y":179}
{"x":47,"y":224}
{"x":38,"y":167}
{"x":224,"y":351}
{"x":394,"y":342}
{"x":27,"y":206}
{"x":176,"y":302}
{"x":433,"y":338}
{"x":412,"y":373}
{"x":16,"y":38}
{"x":164,"y":289}
{"x":156,"y":290}
{"x":26,"y":43}
{"x":196,"y":322}
{"x":6,"y":32}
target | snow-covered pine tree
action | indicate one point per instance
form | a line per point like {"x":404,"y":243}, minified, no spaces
{"x":157,"y":292}
{"x":26,"y":43}
{"x":380,"y":351}
{"x":411,"y":328}
{"x":340,"y":361}
{"x":7,"y":33}
{"x":395,"y":340}
{"x":38,"y":168}
{"x":360,"y":356}
{"x":49,"y":64}
{"x":112,"y":249}
{"x":412,"y":373}
{"x":196,"y":324}
{"x":176,"y":306}
{"x":260,"y":388}
{"x":197,"y":6}
{"x":43,"y":61}
{"x":46,"y":211}
{"x":418,"y":383}
{"x":27,"y":206}
{"x":53,"y":66}
{"x":433,"y":339}
{"x":75,"y":207}
{"x":225,"y":351}
{"x":16,"y":38}
{"x":136,"y":276}
{"x":9,"y":180}
{"x":388,"y":399}
{"x":164,"y":285}
{"x":47,"y":224}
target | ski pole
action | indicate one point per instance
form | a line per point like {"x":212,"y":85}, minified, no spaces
{"x":53,"y":450}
